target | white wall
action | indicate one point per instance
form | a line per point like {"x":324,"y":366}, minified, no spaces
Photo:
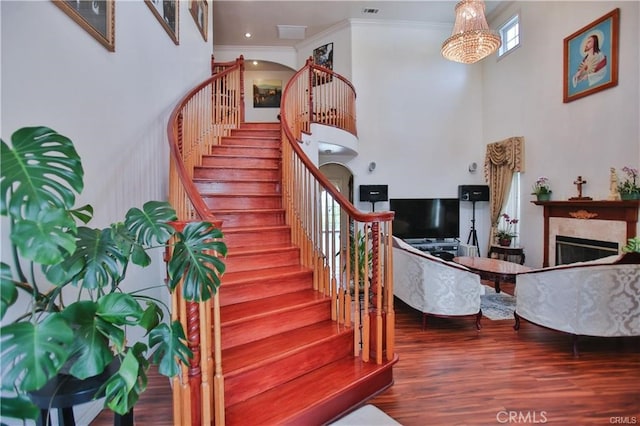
{"x":522,"y":95}
{"x":262,"y":114}
{"x":114,"y":106}
{"x":419,"y":116}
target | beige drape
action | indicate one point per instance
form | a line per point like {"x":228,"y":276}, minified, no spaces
{"x":501,"y":161}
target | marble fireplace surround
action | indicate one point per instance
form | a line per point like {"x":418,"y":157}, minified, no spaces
{"x":614,"y":221}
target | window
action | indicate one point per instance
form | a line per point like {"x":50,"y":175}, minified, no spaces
{"x":512,"y":208}
{"x":510,"y":35}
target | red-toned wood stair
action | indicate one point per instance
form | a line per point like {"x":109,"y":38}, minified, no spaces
{"x":284,"y":360}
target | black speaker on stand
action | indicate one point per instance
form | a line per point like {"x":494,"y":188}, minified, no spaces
{"x":473,"y":193}
{"x":373,"y":194}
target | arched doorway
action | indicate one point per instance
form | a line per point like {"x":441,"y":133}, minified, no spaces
{"x":335,"y":225}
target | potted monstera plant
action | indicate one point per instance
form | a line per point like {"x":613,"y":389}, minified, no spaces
{"x":54,"y":253}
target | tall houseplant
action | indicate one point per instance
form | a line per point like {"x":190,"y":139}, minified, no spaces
{"x":55,"y":254}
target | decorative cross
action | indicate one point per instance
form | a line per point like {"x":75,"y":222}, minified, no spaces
{"x":579,"y":182}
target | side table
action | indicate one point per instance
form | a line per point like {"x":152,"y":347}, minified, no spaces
{"x":63,"y":392}
{"x":510,"y":254}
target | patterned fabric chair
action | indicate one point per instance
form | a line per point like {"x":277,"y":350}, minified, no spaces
{"x":434,"y":286}
{"x":598,"y":298}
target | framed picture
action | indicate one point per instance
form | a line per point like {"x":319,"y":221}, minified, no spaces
{"x":591,"y":57}
{"x":267,"y":93}
{"x":95,"y":16}
{"x":323,"y":56}
{"x":200,"y":11}
{"x":167,"y":13}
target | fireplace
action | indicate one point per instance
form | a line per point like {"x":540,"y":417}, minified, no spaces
{"x":571,"y":249}
{"x":599,"y":220}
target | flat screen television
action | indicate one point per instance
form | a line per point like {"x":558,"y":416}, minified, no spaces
{"x":430,"y":218}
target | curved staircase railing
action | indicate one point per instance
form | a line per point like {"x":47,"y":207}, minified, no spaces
{"x":356,"y":247}
{"x":198,"y":122}
{"x":350,"y":251}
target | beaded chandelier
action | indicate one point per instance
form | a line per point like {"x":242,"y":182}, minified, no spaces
{"x":471,"y":39}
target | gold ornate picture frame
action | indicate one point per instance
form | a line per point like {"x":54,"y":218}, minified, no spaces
{"x":591,"y":57}
{"x":97,"y":17}
{"x":200,"y":12}
{"x":167,"y":13}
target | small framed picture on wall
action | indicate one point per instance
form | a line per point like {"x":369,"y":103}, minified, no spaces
{"x":96,"y":17}
{"x":267,"y":93}
{"x":199,"y":10}
{"x":166,"y":11}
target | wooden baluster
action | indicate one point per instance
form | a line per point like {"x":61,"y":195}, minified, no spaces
{"x":195,"y":372}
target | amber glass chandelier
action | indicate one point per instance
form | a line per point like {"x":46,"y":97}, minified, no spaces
{"x":471,"y":39}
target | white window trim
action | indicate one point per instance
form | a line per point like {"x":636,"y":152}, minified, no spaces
{"x":503,"y":28}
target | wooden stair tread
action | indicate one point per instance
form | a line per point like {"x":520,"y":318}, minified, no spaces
{"x":283,"y":404}
{"x":222,"y":179}
{"x":251,"y":138}
{"x":255,"y":309}
{"x":280,"y":346}
{"x":238,"y":156}
{"x":250,"y":251}
{"x":226,"y":167}
{"x":236,"y":195}
{"x":252,"y":229}
{"x":231,"y":278}
{"x":247,"y":211}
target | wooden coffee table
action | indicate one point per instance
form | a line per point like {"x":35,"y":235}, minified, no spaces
{"x":495,"y":270}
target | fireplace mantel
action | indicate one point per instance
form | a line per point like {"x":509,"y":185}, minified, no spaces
{"x":624,"y":211}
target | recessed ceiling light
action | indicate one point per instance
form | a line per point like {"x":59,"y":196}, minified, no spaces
{"x":247,"y":35}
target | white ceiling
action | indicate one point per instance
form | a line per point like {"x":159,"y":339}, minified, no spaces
{"x":232,"y":19}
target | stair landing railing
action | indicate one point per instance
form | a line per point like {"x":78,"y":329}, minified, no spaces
{"x":350,"y":251}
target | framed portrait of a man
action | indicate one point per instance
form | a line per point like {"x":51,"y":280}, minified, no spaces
{"x":591,"y":57}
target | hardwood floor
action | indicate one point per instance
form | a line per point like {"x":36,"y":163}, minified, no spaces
{"x":451,"y":374}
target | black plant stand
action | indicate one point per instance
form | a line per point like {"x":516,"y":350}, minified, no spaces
{"x":63,"y":392}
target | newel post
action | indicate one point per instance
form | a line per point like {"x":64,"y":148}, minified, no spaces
{"x":193,"y":342}
{"x":377,"y":312}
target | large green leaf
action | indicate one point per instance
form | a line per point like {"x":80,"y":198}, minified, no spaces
{"x":195,"y":263}
{"x":8,"y":291}
{"x":123,"y":389}
{"x":90,"y":348}
{"x":150,"y":226}
{"x":34,"y":353}
{"x":119,"y":309}
{"x":42,"y":168}
{"x":171,"y":346}
{"x":19,"y":407}
{"x":47,"y":239}
{"x":103,"y":263}
{"x":151,"y":317}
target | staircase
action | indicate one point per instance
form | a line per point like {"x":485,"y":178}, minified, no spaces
{"x":284,"y":360}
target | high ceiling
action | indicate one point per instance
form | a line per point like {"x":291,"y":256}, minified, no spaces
{"x":232,"y":19}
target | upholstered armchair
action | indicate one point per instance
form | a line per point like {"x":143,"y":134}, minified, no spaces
{"x":434,"y":286}
{"x":597,"y":298}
